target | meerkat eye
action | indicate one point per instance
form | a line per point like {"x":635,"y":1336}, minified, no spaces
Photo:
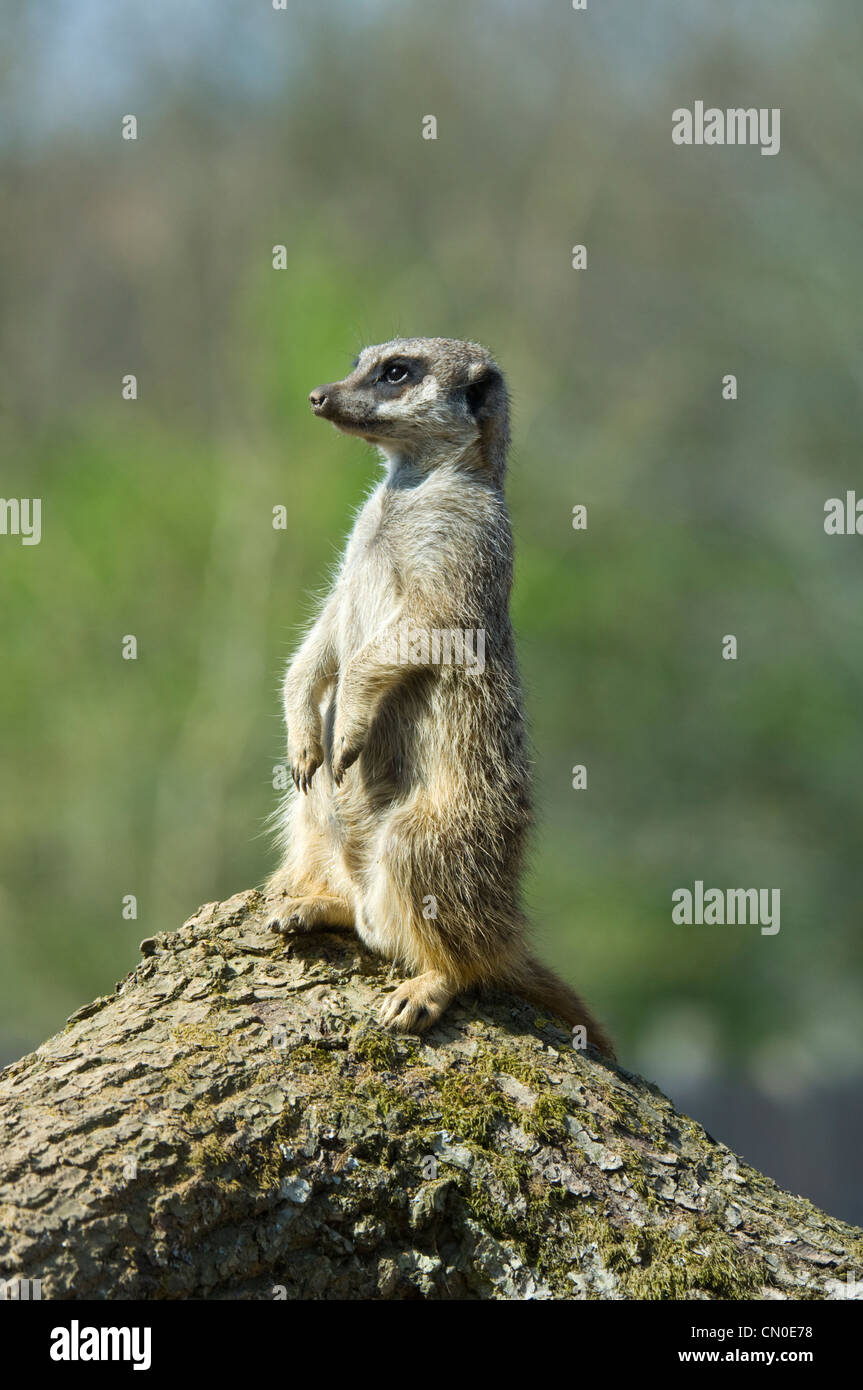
{"x":395,"y":373}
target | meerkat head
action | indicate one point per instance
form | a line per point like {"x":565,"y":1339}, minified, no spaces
{"x":423,"y":401}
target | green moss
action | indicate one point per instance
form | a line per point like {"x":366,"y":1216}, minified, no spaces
{"x":177,"y":1075}
{"x":637,"y":1179}
{"x":553,"y":1232}
{"x":506,"y":1198}
{"x":512,"y":1174}
{"x":209,"y":1154}
{"x":472,"y":1107}
{"x":489,"y":1060}
{"x":653,"y":1264}
{"x":233,"y":1161}
{"x":670,"y":1268}
{"x":378,"y":1049}
{"x":199,"y":1035}
{"x":547,"y":1120}
{"x":623,"y":1111}
{"x":852,"y":1263}
{"x":391,"y":1101}
{"x":321,"y":1058}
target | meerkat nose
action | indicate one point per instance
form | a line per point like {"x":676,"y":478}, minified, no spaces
{"x":317,"y":397}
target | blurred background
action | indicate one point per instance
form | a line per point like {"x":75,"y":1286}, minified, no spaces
{"x":705,"y":517}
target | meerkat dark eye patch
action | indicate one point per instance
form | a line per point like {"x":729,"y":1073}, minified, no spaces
{"x":398,"y":371}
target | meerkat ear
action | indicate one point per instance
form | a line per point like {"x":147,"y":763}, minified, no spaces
{"x":483,"y":383}
{"x":488,"y":403}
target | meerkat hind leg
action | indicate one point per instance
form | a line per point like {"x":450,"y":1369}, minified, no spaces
{"x":306,"y":913}
{"x":416,"y":1004}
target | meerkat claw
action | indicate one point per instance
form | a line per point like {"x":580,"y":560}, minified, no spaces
{"x":415,"y":1005}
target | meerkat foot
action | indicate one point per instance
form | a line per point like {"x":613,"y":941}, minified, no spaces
{"x":305,"y":914}
{"x":416,"y":1004}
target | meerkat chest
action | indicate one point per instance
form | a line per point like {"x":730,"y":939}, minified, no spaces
{"x":370,"y":584}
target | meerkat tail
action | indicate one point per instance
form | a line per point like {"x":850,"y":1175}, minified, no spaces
{"x":539,"y":985}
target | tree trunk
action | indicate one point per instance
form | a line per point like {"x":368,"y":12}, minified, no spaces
{"x":231,"y":1123}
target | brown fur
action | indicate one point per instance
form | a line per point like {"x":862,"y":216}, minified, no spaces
{"x":412,"y":800}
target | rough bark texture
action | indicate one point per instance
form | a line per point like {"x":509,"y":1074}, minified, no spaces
{"x":231,"y":1123}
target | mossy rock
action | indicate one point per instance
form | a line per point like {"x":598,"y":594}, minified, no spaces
{"x":233,"y":1123}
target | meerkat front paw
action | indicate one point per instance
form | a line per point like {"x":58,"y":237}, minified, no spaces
{"x":305,"y":757}
{"x":416,"y":1005}
{"x":348,"y":744}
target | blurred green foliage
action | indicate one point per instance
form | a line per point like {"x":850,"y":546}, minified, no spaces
{"x":153,"y":777}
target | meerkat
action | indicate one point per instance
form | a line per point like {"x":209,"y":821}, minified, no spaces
{"x":411,"y":803}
